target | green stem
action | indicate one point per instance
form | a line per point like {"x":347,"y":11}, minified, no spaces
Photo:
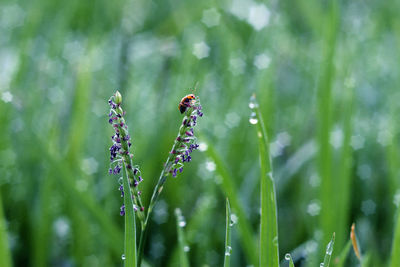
{"x":156,"y":193}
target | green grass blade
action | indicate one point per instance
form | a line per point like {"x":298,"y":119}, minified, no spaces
{"x":5,"y":255}
{"x":228,"y":245}
{"x":329,"y":209}
{"x":343,"y":255}
{"x":130,"y":224}
{"x":329,"y":250}
{"x":288,"y":257}
{"x":395,"y":260}
{"x":183,"y":248}
{"x":269,"y":253}
{"x":229,"y":188}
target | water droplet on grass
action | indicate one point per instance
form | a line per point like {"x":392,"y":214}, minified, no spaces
{"x":228,"y":250}
{"x":123,"y":257}
{"x":321,"y":265}
{"x":186,"y":248}
{"x":287,"y":257}
{"x":253,"y":118}
{"x":182,"y":224}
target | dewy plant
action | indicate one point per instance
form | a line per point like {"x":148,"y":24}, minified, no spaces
{"x":121,"y":159}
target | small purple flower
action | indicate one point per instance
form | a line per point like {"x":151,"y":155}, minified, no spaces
{"x":117,"y":169}
{"x":121,"y":188}
{"x":174,"y":172}
{"x":126,"y":138}
{"x":122,"y":210}
{"x":135,"y":171}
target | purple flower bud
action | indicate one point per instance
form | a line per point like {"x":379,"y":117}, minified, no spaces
{"x":126,"y":138}
{"x":110,"y":171}
{"x":140,"y":179}
{"x":135,"y":171}
{"x":174,"y":172}
{"x":122,"y":212}
{"x":110,"y":121}
{"x":180,"y":169}
{"x":141,"y":208}
{"x":121,"y":188}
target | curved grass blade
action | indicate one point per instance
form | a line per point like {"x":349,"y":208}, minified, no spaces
{"x":5,"y":257}
{"x":228,"y":245}
{"x":269,"y":253}
{"x":130,"y":224}
{"x":395,"y":260}
{"x":183,"y":248}
{"x":329,"y":250}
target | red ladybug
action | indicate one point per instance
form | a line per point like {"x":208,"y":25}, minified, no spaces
{"x":185,"y":102}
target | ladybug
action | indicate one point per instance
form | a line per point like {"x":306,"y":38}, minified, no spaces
{"x":185,"y":102}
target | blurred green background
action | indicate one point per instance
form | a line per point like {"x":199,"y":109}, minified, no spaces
{"x":326,"y":76}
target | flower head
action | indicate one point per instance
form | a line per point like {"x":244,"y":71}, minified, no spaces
{"x":119,"y":151}
{"x":185,"y":143}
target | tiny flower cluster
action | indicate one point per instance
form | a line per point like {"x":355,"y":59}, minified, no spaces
{"x":185,"y":143}
{"x":119,"y":151}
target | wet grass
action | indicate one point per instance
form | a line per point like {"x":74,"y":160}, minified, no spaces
{"x":326,"y":79}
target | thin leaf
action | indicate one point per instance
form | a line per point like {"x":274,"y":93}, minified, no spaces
{"x":288,"y":257}
{"x":130,"y":224}
{"x":395,"y":260}
{"x":329,"y":250}
{"x":228,"y":245}
{"x":269,"y":253}
{"x":229,"y":189}
{"x":183,"y":247}
{"x":341,"y":259}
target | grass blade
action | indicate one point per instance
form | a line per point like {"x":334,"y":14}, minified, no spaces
{"x":288,"y":257}
{"x":229,"y":189}
{"x":183,"y":248}
{"x":395,"y":260}
{"x":329,"y":250}
{"x":343,"y":255}
{"x":228,"y":245}
{"x":130,"y":224}
{"x":269,"y":253}
{"x":5,"y":256}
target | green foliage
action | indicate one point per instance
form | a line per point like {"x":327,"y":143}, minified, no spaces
{"x":269,"y":249}
{"x":228,"y":229}
{"x":129,"y":256}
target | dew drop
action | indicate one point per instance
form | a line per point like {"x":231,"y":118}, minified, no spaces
{"x":253,"y":118}
{"x":182,"y":224}
{"x":252,"y":105}
{"x":321,"y":265}
{"x":186,"y":248}
{"x":228,"y":250}
{"x":123,"y":257}
{"x":234,"y":220}
{"x":329,"y":247}
{"x":275,"y":241}
{"x":287,"y":257}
